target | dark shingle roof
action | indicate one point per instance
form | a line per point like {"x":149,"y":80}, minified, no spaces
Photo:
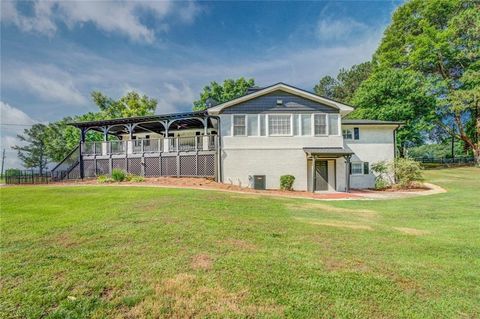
{"x":370,"y":122}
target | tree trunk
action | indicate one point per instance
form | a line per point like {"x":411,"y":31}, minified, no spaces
{"x":476,"y":155}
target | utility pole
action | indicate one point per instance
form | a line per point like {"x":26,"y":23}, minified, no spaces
{"x":3,"y":161}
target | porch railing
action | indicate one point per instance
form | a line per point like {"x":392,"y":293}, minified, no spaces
{"x":140,"y":146}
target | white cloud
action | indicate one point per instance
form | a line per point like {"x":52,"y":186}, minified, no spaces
{"x":328,"y":28}
{"x":47,"y":82}
{"x":122,"y":17}
{"x":13,"y":121}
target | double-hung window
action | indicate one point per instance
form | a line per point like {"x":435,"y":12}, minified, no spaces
{"x":239,"y":125}
{"x":347,"y":134}
{"x":333,"y":124}
{"x":279,"y":124}
{"x":356,"y":168}
{"x":320,"y":124}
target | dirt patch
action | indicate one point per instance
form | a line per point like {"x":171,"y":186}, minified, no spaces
{"x":412,"y":231}
{"x":185,"y":296}
{"x":66,"y":240}
{"x":365,"y":213}
{"x":202,"y":261}
{"x":240,"y":244}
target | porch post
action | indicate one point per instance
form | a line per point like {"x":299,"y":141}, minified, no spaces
{"x":80,"y":157}
{"x":314,"y":175}
{"x":347,"y":173}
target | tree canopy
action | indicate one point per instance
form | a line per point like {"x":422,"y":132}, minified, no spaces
{"x":343,"y":87}
{"x":440,"y":39}
{"x":229,"y":90}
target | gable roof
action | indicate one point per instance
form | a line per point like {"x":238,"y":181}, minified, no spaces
{"x":343,"y":108}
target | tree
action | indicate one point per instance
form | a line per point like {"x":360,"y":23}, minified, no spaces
{"x":441,"y":40}
{"x":396,"y":95}
{"x":131,"y":104}
{"x":33,"y":154}
{"x":344,"y":86}
{"x":220,"y":93}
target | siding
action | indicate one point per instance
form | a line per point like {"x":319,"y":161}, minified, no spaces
{"x":268,"y":104}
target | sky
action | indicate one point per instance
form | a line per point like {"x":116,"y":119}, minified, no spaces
{"x":54,"y":53}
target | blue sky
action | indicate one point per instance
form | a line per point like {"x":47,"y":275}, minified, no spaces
{"x":54,"y":53}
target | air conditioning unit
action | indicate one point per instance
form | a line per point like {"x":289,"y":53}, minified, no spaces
{"x":259,"y":182}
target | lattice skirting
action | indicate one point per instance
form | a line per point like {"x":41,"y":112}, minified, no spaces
{"x":202,"y":165}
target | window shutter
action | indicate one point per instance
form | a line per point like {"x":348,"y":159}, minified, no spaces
{"x":366,"y":168}
{"x":356,"y":133}
{"x":350,"y":168}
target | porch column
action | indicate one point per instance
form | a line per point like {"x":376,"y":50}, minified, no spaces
{"x":129,"y":128}
{"x":105,"y":139}
{"x":314,"y":176}
{"x":80,"y":157}
{"x":347,"y":173}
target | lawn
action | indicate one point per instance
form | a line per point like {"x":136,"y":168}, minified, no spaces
{"x":130,"y":252}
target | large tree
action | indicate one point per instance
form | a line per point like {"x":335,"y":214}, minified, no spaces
{"x":32,"y":151}
{"x":441,"y":40}
{"x":219,"y":93}
{"x":397,"y":95}
{"x":343,"y":87}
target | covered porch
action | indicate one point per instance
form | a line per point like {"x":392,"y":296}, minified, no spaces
{"x":178,"y":144}
{"x":328,"y":169}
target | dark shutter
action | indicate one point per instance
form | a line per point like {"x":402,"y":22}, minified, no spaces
{"x":350,"y":168}
{"x":366,"y":168}
{"x":356,"y":133}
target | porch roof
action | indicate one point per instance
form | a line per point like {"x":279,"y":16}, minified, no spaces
{"x":141,"y":119}
{"x":328,"y":151}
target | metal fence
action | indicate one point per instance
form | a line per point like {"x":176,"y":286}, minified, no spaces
{"x":27,"y":177}
{"x":445,"y":160}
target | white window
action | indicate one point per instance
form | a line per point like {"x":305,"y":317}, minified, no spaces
{"x":347,"y":134}
{"x":252,"y":125}
{"x":306,"y":124}
{"x":239,"y":125}
{"x":333,"y":124}
{"x":279,"y":124}
{"x":356,"y":168}
{"x":320,"y":124}
{"x":262,"y":125}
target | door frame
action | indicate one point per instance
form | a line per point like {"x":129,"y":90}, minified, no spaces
{"x":314,"y":173}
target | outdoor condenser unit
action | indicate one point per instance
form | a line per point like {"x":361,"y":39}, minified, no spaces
{"x":259,"y":182}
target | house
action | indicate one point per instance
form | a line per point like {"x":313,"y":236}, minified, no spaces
{"x":250,"y":141}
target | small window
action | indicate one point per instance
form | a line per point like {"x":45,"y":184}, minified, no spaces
{"x":356,"y":133}
{"x":239,"y":125}
{"x":356,"y":168}
{"x":279,"y":124}
{"x":252,"y":125}
{"x":306,"y":124}
{"x":147,"y":137}
{"x":320,"y":124}
{"x":333,"y":124}
{"x":366,"y":168}
{"x":347,"y":134}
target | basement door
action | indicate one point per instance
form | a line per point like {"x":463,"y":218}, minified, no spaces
{"x":321,"y":175}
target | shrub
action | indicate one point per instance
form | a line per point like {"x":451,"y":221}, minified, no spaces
{"x":383,"y":179}
{"x":407,"y":172}
{"x":136,"y":179}
{"x":118,"y":175}
{"x":286,"y":182}
{"x":381,"y":183}
{"x":104,"y":179}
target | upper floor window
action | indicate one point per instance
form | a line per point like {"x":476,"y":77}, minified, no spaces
{"x":333,"y":124}
{"x":348,"y":134}
{"x":320,"y":124}
{"x":239,"y":125}
{"x":279,"y":124}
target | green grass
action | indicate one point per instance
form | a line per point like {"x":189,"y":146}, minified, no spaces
{"x":99,"y":252}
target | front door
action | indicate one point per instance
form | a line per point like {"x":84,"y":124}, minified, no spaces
{"x":321,"y":175}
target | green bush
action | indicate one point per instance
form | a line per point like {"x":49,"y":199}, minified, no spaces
{"x":286,"y":182}
{"x":104,"y":179}
{"x":381,"y":183}
{"x":118,"y":175}
{"x":136,"y":179}
{"x":407,"y":172}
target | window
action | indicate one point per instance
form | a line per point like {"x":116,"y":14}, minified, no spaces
{"x":359,"y":168}
{"x":356,"y":168}
{"x":320,"y":124}
{"x":262,"y":125}
{"x":239,"y":125}
{"x":356,"y":133}
{"x":279,"y":124}
{"x":306,"y":124}
{"x":333,"y":124}
{"x":347,"y":134}
{"x":252,"y":125}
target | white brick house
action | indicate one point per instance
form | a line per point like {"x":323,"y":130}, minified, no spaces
{"x":250,"y":141}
